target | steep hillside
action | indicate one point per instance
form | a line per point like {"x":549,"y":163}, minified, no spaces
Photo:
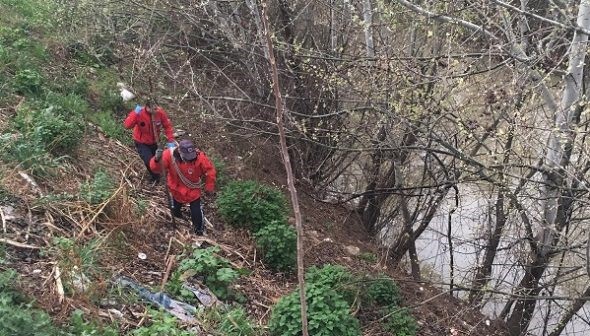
{"x":78,"y":214}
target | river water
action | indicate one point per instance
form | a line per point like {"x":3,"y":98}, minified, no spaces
{"x":469,"y":222}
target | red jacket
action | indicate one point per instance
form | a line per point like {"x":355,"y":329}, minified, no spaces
{"x":192,"y":170}
{"x":142,"y":126}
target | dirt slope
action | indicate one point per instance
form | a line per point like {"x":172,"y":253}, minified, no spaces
{"x":122,"y":234}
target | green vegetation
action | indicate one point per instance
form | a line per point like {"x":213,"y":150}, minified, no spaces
{"x":251,"y":205}
{"x":78,"y":262}
{"x":235,"y":322}
{"x":216,"y":271}
{"x":220,"y":169}
{"x":278,"y":244}
{"x":112,"y":128}
{"x":331,"y":291}
{"x":79,"y":326}
{"x":382,"y":291}
{"x":161,"y":323}
{"x":400,"y":322}
{"x":98,"y":190}
{"x":17,"y":315}
{"x":328,"y":311}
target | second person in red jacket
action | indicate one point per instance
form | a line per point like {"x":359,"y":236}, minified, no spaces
{"x":185,"y":166}
{"x":143,"y":120}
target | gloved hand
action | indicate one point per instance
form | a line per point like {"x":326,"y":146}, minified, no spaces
{"x":171,"y":145}
{"x":137,"y":108}
{"x":158,"y":155}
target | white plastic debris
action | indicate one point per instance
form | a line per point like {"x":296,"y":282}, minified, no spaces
{"x":142,"y":256}
{"x":125,"y":93}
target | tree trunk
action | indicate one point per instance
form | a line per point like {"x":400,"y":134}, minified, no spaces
{"x":485,"y":270}
{"x":557,"y":160}
{"x":576,"y":306}
{"x":368,"y":28}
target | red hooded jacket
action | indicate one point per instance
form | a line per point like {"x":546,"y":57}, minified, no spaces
{"x":142,"y":125}
{"x":192,"y":170}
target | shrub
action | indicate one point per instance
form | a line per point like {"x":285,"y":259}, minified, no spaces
{"x":382,"y":291}
{"x":56,"y":133}
{"x":400,"y":322}
{"x":278,"y":244}
{"x":327,"y":311}
{"x":110,"y":100}
{"x":235,"y":322}
{"x":216,"y":272}
{"x":77,"y":86}
{"x":251,"y":205}
{"x":328,"y":307}
{"x":17,"y":316}
{"x":80,"y":327}
{"x":220,"y":169}
{"x":98,"y":190}
{"x":111,"y":127}
{"x":334,"y":277}
{"x":28,"y":151}
{"x":68,"y":105}
{"x":28,"y":82}
{"x":162,"y":324}
{"x":331,"y":276}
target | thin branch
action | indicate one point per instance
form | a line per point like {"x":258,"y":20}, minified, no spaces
{"x":265,"y":34}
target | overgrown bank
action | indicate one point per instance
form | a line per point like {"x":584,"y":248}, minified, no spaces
{"x":81,"y":215}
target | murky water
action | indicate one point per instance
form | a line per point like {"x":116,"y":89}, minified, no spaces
{"x":469,"y":222}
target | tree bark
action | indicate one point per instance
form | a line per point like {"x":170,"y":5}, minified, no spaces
{"x":557,"y":160}
{"x":368,"y":28}
{"x":576,"y":306}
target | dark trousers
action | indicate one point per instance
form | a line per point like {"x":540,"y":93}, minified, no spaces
{"x":146,"y":152}
{"x":196,"y":213}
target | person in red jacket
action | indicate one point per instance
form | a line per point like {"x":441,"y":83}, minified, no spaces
{"x":142,"y":120}
{"x":185,"y":165}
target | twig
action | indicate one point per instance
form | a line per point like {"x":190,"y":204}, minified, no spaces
{"x":169,"y":264}
{"x":32,"y":182}
{"x":17,"y":244}
{"x":103,"y":205}
{"x":3,"y":220}
{"x":224,"y":247}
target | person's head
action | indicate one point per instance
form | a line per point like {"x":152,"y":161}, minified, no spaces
{"x":150,"y":106}
{"x":187,"y":150}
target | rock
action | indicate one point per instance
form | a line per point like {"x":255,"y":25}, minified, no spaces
{"x":352,"y":250}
